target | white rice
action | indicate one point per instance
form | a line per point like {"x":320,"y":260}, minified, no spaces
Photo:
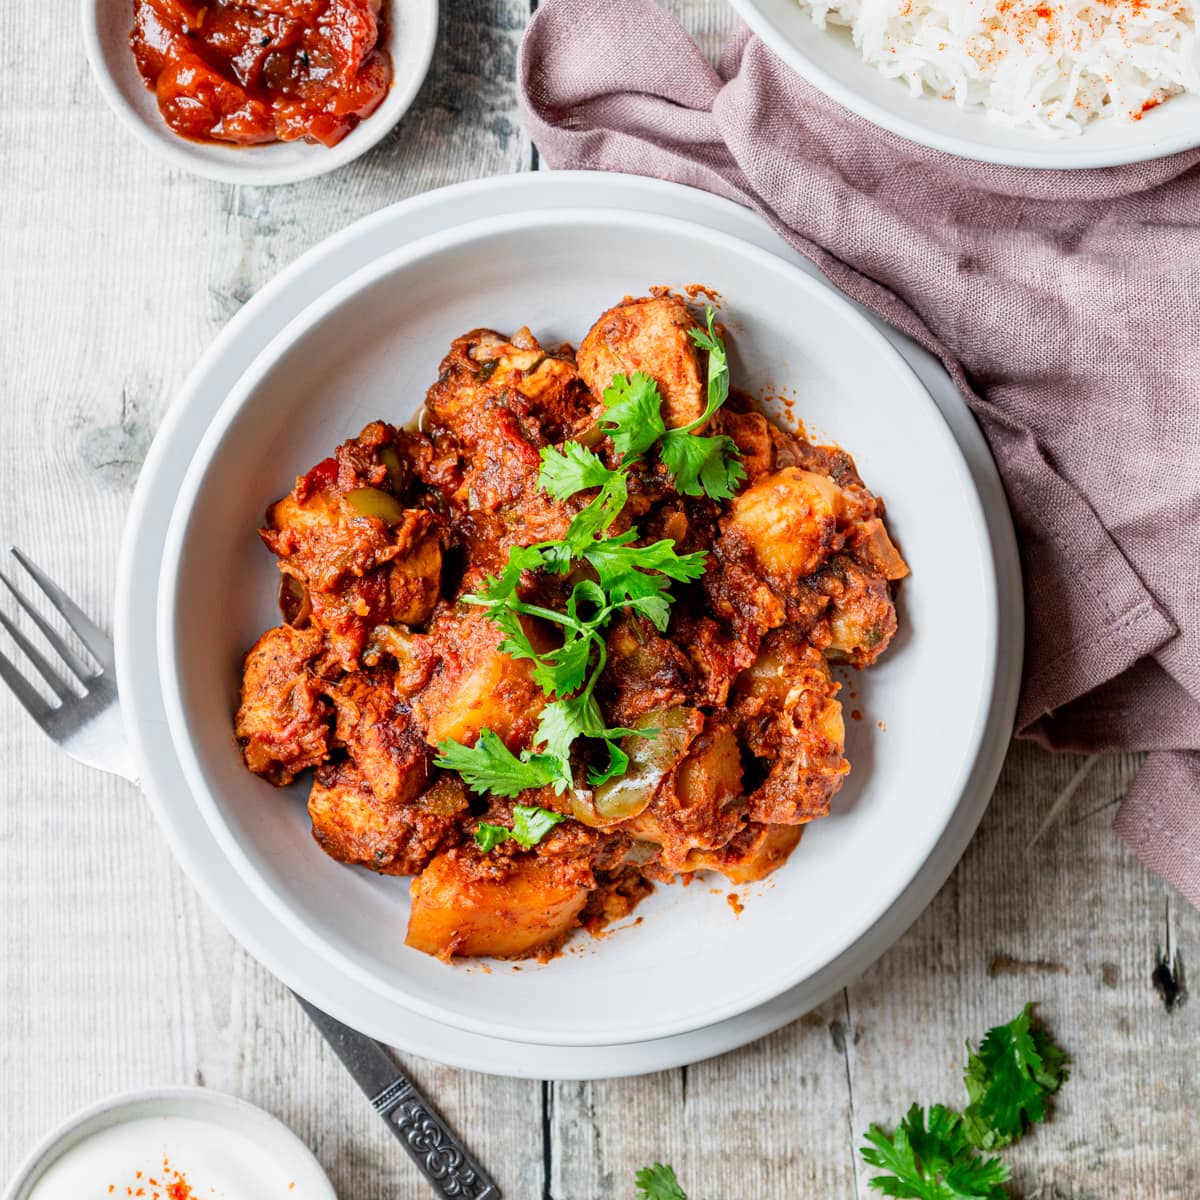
{"x":1053,"y":65}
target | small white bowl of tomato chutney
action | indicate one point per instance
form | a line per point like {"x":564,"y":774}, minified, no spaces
{"x":171,"y":1144}
{"x":259,"y":93}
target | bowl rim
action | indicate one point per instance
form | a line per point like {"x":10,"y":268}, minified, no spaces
{"x":241,"y":167}
{"x":169,"y":641}
{"x":1043,"y":154}
{"x":177,"y":1100}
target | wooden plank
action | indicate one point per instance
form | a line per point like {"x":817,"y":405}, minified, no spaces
{"x":771,"y":1120}
{"x":113,"y":974}
{"x":118,"y":273}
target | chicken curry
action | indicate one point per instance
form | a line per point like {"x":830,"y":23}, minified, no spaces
{"x":571,"y":636}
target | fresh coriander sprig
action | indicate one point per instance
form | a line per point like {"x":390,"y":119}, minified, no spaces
{"x":530,"y":825}
{"x":634,"y":423}
{"x":1008,"y":1082}
{"x":490,"y":766}
{"x":1009,"y":1079}
{"x":709,"y":466}
{"x":628,"y":578}
{"x":933,"y":1161}
{"x":573,"y":667}
{"x":658,"y":1182}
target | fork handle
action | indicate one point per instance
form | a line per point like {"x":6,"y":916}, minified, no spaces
{"x":439,"y":1155}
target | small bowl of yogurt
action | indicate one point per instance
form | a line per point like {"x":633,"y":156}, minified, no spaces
{"x":171,"y":1144}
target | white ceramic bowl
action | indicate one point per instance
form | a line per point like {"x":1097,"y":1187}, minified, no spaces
{"x":828,"y":60}
{"x":370,"y":348}
{"x":281,"y":948}
{"x":411,"y":34}
{"x":225,"y":1113}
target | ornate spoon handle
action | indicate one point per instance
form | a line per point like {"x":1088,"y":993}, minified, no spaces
{"x":439,"y":1155}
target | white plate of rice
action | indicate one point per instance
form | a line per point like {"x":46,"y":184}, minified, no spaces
{"x":1032,"y":83}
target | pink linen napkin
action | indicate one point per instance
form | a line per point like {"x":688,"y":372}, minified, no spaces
{"x":1066,"y":305}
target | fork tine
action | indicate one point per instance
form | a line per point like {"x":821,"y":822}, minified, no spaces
{"x":31,"y":652}
{"x":89,"y":633}
{"x":74,"y":663}
{"x":35,"y":706}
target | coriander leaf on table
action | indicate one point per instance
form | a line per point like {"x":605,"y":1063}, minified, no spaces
{"x":633,"y":414}
{"x":658,"y":1182}
{"x":1008,"y":1080}
{"x":490,"y":766}
{"x":932,"y":1161}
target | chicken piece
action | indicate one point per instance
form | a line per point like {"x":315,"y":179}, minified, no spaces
{"x":739,"y":596}
{"x":498,"y":404}
{"x":697,"y":806}
{"x":354,"y":825}
{"x":788,"y":714}
{"x":283,"y":720}
{"x":716,"y":658}
{"x":876,"y":548}
{"x":753,"y":854}
{"x":485,"y":372}
{"x":649,"y":335}
{"x":319,"y":539}
{"x":501,"y":907}
{"x":329,"y":540}
{"x":473,"y":685}
{"x":751,"y":433}
{"x":644,"y":672}
{"x":861,"y":615}
{"x":358,"y":556}
{"x":339,"y":519}
{"x":376,"y":732}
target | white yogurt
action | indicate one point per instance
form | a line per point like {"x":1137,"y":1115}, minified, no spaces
{"x":168,"y":1158}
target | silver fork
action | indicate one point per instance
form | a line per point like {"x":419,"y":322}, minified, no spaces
{"x":88,"y":727}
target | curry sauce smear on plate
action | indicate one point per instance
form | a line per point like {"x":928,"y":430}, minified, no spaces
{"x":254,"y":71}
{"x":571,"y":637}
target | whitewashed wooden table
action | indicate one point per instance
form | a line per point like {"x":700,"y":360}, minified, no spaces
{"x":116,"y":274}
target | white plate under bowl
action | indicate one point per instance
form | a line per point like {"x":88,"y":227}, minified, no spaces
{"x":193,"y":843}
{"x":828,"y":59}
{"x":411,"y":33}
{"x":369,"y":349}
{"x":229,"y":1118}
